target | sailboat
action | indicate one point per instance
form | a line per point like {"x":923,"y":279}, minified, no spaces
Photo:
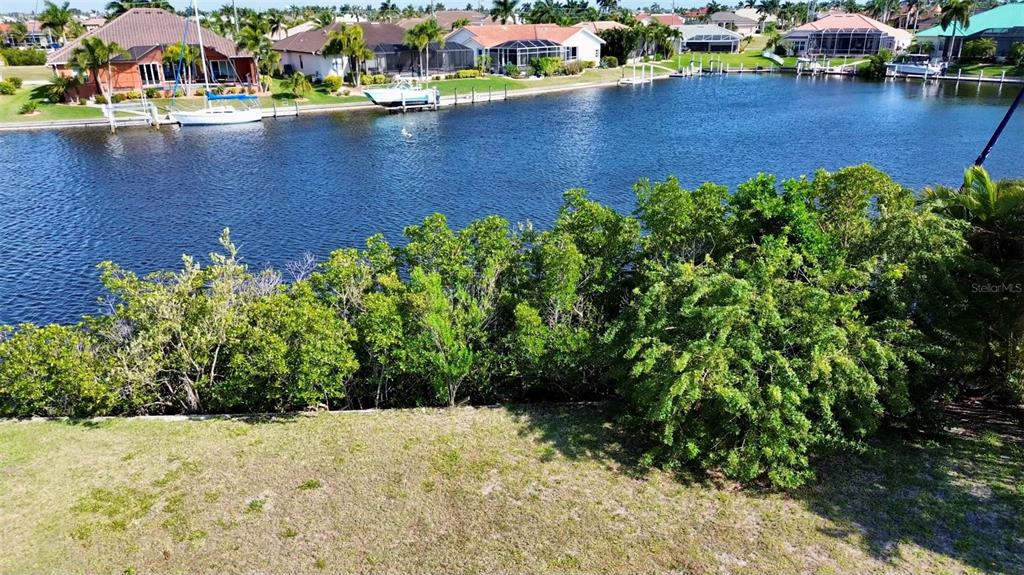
{"x":216,"y":114}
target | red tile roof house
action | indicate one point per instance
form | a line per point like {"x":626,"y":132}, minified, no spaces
{"x":145,"y":32}
{"x":518,"y":44}
{"x":845,"y":35}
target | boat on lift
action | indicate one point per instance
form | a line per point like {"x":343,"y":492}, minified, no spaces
{"x":404,"y":94}
{"x":914,"y":65}
{"x":222,"y":113}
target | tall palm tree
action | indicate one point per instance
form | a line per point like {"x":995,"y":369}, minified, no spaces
{"x":545,"y":12}
{"x":298,"y":84}
{"x":254,"y":38}
{"x":93,"y":54}
{"x":184,"y":55}
{"x":955,"y":12}
{"x":56,"y":18}
{"x":418,"y":38}
{"x":434,"y":33}
{"x":18,"y":32}
{"x":503,"y":10}
{"x":348,"y":41}
{"x":388,"y":10}
{"x":324,"y":19}
{"x":277,"y":22}
{"x":460,"y":23}
{"x":608,"y":6}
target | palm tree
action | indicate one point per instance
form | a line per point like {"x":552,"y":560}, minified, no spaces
{"x":955,"y":12}
{"x":503,"y":10}
{"x":298,"y":84}
{"x":184,"y":55}
{"x":254,"y":38}
{"x":18,"y":32}
{"x":545,"y":12}
{"x":417,"y":38}
{"x":56,"y":18}
{"x":93,"y":54}
{"x":980,"y":200}
{"x":324,"y":19}
{"x":434,"y":33}
{"x":608,"y":6}
{"x":63,"y":87}
{"x":277,"y":22}
{"x":348,"y":41}
{"x":388,"y":10}
{"x":460,"y":23}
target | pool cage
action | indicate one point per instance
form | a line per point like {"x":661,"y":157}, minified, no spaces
{"x":848,"y":42}
{"x":402,"y":59}
{"x":522,"y":52}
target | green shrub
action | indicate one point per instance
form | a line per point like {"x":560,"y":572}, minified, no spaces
{"x":15,"y":81}
{"x":53,"y":370}
{"x":572,"y":68}
{"x":511,"y":70}
{"x":153,"y":92}
{"x":119,"y":97}
{"x":588,"y":64}
{"x":199,"y":92}
{"x":876,"y":66}
{"x":18,"y":57}
{"x":1016,"y":55}
{"x":29,"y":107}
{"x":609,"y":62}
{"x":332,"y":83}
{"x":470,"y":73}
{"x":99,"y":99}
{"x":978,"y":50}
{"x":547,"y":66}
{"x":7,"y":88}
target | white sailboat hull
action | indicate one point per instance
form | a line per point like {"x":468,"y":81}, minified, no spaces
{"x":217,"y":116}
{"x":395,"y":97}
{"x":915,"y":69}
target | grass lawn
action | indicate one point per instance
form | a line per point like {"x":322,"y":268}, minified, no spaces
{"x":465,"y":86}
{"x":749,"y":59}
{"x":10,"y":107}
{"x":995,"y":70}
{"x":517,"y":490}
{"x":28,"y":73}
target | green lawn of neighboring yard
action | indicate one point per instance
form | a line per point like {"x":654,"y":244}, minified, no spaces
{"x":10,"y":106}
{"x":995,"y":70}
{"x":28,"y":73}
{"x":516,"y":490}
{"x":465,"y":86}
{"x":749,"y":59}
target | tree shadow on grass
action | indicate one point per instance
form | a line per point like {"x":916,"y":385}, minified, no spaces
{"x":958,"y":495}
{"x":585,"y":431}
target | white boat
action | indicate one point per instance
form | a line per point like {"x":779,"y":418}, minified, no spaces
{"x":404,"y":94}
{"x":914,"y":65}
{"x":215,"y":114}
{"x":221,"y":114}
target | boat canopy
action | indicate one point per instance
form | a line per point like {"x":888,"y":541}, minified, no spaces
{"x":231,"y":97}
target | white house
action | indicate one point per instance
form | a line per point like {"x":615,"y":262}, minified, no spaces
{"x":518,"y":44}
{"x":735,"y":22}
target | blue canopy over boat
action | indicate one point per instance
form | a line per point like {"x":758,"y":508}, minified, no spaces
{"x":231,"y":97}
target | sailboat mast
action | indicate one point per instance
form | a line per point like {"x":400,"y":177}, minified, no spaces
{"x":202,"y":52}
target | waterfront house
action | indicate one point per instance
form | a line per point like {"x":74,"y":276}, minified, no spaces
{"x":670,"y":20}
{"x":845,"y":35}
{"x":1003,"y":24}
{"x":36,"y":35}
{"x":145,"y":33}
{"x":93,"y":23}
{"x":735,"y":22}
{"x":304,"y":52}
{"x":761,"y":19}
{"x":518,"y":44}
{"x":311,"y":25}
{"x":707,"y":38}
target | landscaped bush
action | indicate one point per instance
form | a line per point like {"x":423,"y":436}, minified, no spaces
{"x":29,"y":107}
{"x":373,"y":79}
{"x":609,"y":62}
{"x":469,"y":73}
{"x":1016,"y":55}
{"x":742,"y":330}
{"x":511,"y":70}
{"x":546,"y":66}
{"x":588,"y":64}
{"x":978,"y":50}
{"x":153,"y":92}
{"x":877,"y":65}
{"x":572,"y":68}
{"x":15,"y":81}
{"x":18,"y":57}
{"x":332,"y":83}
{"x":7,"y":88}
{"x":99,"y":99}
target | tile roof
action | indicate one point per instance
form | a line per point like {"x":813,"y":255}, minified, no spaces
{"x":445,"y":18}
{"x":835,"y":22}
{"x":600,"y":25}
{"x":668,"y":19}
{"x":732,"y":18}
{"x":494,"y":34}
{"x":148,"y":27}
{"x":313,"y":41}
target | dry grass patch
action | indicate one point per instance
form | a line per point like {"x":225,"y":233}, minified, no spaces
{"x":546,"y":489}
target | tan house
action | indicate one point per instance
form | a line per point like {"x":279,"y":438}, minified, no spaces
{"x":145,"y":33}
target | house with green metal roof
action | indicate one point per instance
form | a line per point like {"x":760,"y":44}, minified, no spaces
{"x":1004,"y":24}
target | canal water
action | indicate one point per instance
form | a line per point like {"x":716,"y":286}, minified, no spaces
{"x":70,"y":199}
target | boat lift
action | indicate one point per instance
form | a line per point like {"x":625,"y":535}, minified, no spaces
{"x":645,"y":77}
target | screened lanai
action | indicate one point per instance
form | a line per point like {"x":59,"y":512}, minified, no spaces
{"x":521,"y":52}
{"x":848,"y":42}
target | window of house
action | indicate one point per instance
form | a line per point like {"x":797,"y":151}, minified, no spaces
{"x":221,"y":69}
{"x":150,"y":74}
